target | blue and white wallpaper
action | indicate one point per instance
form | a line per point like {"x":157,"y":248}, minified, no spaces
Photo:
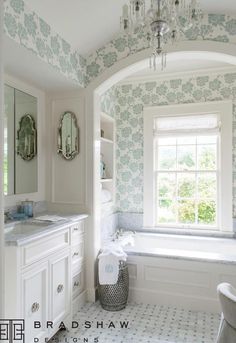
{"x":26,"y":28}
{"x":29,"y":30}
{"x":214,"y":27}
{"x":126,"y":103}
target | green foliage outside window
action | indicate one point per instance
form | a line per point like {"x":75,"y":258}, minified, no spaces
{"x":189,"y":196}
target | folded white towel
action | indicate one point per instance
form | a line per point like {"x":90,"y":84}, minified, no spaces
{"x":108,"y":270}
{"x":105,"y":196}
{"x":109,"y":264}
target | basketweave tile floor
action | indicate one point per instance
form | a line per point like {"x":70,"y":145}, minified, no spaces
{"x":147,"y":324}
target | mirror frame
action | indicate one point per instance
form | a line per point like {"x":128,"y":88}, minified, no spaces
{"x":11,"y":199}
{"x":75,"y":152}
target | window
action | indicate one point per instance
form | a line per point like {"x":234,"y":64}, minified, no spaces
{"x":186,"y":177}
{"x":186,"y":172}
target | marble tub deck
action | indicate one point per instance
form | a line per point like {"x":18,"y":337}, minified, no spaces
{"x":147,"y":324}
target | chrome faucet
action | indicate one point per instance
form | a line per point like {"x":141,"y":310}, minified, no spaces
{"x":119,"y":233}
{"x":7,"y":216}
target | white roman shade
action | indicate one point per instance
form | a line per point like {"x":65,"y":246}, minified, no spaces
{"x":186,"y":124}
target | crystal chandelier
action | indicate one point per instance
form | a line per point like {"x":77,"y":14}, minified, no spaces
{"x":163,"y":22}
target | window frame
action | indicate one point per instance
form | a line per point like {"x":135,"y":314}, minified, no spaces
{"x":224,"y":110}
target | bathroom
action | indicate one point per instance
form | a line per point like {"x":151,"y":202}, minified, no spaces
{"x":106,"y":142}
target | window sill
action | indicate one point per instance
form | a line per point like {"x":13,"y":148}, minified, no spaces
{"x":187,"y":232}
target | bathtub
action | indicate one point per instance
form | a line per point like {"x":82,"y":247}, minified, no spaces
{"x":181,"y":271}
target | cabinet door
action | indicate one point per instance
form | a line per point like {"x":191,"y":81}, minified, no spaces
{"x":35,"y":301}
{"x":60,"y":275}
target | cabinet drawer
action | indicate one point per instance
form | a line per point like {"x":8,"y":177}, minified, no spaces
{"x":77,"y":252}
{"x":78,"y":283}
{"x":44,"y":247}
{"x":76,"y":267}
{"x":77,"y":230}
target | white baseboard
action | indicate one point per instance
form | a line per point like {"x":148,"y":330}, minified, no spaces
{"x":92,"y":294}
{"x":79,"y":302}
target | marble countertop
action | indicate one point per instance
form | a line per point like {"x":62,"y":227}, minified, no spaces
{"x":19,"y":233}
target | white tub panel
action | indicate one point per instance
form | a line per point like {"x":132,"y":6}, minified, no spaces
{"x":185,"y":284}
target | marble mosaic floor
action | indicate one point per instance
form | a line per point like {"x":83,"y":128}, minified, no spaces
{"x":147,"y":324}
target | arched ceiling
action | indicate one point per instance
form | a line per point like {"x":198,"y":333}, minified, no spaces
{"x":89,"y":24}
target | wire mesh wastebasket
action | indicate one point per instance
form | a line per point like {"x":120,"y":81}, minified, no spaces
{"x":114,"y":297}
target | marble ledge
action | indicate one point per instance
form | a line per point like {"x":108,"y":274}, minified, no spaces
{"x":37,"y":230}
{"x":186,"y":256}
{"x":186,"y":232}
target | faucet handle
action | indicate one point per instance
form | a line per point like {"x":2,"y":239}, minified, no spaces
{"x":7,"y":215}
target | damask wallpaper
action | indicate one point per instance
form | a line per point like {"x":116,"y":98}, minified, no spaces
{"x":126,"y":103}
{"x":215,"y":27}
{"x":28,"y":29}
{"x":32,"y":32}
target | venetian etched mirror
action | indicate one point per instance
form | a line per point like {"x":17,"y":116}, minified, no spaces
{"x":27,"y":138}
{"x":68,"y":136}
{"x":20,"y":142}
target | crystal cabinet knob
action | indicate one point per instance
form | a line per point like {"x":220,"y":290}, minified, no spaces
{"x":76,"y":284}
{"x":35,"y":307}
{"x":60,"y":288}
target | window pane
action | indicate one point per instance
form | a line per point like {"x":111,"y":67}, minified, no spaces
{"x":207,"y":157}
{"x":186,"y":212}
{"x":166,"y":158}
{"x":207,"y":139}
{"x":186,"y":180}
{"x":186,"y":157}
{"x":186,"y":140}
{"x":167,"y":141}
{"x":186,"y":185}
{"x":166,"y":211}
{"x":207,"y":212}
{"x":166,"y":185}
{"x":207,"y":185}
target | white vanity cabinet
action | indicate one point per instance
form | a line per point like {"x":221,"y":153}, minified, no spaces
{"x":43,"y":278}
{"x":78,"y":263}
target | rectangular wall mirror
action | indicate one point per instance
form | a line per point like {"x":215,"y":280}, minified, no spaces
{"x":20,"y":142}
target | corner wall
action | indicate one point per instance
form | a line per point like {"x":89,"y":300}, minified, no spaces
{"x":66,"y":179}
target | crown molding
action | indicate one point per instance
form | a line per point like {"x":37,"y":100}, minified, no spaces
{"x":170,"y":76}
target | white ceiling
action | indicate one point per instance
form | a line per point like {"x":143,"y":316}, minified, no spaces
{"x":88,"y":24}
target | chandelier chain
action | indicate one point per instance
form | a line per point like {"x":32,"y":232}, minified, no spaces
{"x":165,"y":21}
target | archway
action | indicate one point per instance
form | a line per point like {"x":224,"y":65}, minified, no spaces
{"x":198,"y":50}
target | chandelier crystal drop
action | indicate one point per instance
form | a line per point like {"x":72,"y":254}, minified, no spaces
{"x":163,"y":22}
